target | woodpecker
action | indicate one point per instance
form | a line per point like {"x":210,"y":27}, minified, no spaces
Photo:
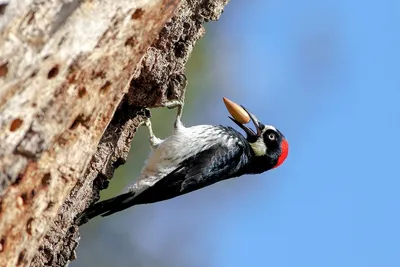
{"x":195,"y":157}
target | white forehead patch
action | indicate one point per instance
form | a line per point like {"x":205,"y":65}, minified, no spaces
{"x":269,"y":127}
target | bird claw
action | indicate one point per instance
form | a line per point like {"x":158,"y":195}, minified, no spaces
{"x":153,"y":140}
{"x":171,"y":104}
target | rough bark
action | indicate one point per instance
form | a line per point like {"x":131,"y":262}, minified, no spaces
{"x":75,"y":77}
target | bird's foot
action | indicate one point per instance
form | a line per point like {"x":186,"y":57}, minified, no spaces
{"x":153,"y":140}
{"x":171,"y":104}
{"x":176,"y":104}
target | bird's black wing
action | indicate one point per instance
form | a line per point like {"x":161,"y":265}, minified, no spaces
{"x":212,"y":165}
{"x":203,"y":169}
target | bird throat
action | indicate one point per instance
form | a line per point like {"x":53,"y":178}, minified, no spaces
{"x":259,"y":147}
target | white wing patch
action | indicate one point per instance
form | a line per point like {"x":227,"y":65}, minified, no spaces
{"x":183,"y":143}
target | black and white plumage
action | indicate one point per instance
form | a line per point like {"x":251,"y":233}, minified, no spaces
{"x":196,"y":157}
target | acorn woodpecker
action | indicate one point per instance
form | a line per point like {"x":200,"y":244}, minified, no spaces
{"x":196,"y":157}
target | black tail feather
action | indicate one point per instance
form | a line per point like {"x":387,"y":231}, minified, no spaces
{"x":106,"y":207}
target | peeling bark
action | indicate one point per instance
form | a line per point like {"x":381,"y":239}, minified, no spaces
{"x":74,"y":78}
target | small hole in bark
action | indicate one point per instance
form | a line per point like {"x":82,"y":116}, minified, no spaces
{"x":76,"y":122}
{"x":53,"y":72}
{"x":98,"y":74}
{"x":2,"y":244}
{"x":3,"y":69}
{"x":71,"y":230}
{"x":3,"y":183}
{"x":24,"y":198}
{"x":138,"y":13}
{"x":80,"y":120}
{"x":49,"y":206}
{"x":15,"y":124}
{"x":3,"y":8}
{"x":130,"y":41}
{"x":81,"y":91}
{"x":105,"y":87}
{"x":180,"y":50}
{"x":29,"y":226}
{"x":46,"y":179}
{"x":48,"y":253}
{"x":21,"y":257}
{"x":33,"y":193}
{"x":19,"y":178}
{"x":170,"y":92}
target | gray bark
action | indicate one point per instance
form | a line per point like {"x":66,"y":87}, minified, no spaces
{"x":75,"y":77}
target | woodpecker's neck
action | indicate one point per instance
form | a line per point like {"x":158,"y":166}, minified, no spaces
{"x":259,"y":164}
{"x":258,"y":161}
{"x":252,"y":162}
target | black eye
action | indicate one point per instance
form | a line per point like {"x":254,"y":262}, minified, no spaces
{"x":272,"y":136}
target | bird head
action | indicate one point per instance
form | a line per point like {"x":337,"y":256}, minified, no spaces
{"x":266,"y":142}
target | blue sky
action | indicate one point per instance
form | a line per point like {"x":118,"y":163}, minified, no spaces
{"x":326,"y":74}
{"x":333,"y":87}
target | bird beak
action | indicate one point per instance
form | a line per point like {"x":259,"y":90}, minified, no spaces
{"x":257,"y":124}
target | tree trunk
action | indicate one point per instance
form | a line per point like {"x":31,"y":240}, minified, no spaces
{"x":75,"y":77}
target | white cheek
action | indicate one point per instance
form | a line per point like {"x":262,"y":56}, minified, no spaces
{"x":259,"y":147}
